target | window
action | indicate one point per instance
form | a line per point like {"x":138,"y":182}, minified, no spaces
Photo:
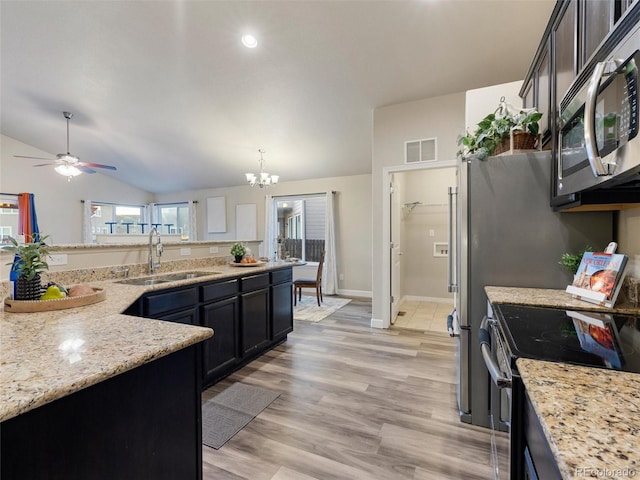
{"x":112,"y":218}
{"x":116,"y":218}
{"x":174,"y":218}
{"x":300,"y":226}
{"x":8,"y":217}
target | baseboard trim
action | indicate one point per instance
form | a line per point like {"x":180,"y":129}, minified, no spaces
{"x":417,"y":298}
{"x":355,"y":293}
{"x":377,"y":323}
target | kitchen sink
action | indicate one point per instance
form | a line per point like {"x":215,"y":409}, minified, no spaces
{"x":164,"y":278}
{"x":143,"y":281}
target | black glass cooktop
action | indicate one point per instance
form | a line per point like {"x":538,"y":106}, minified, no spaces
{"x":581,"y":337}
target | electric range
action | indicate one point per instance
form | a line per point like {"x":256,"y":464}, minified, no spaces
{"x":596,"y":339}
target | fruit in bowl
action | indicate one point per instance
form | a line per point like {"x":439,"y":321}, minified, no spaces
{"x":79,"y":290}
{"x":248,"y":260}
{"x":53,"y":292}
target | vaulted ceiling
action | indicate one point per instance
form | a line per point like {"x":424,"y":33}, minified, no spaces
{"x":166,"y":92}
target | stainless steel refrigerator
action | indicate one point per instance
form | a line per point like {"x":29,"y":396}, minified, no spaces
{"x":504,"y":233}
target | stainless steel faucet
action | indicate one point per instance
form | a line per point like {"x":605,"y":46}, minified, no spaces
{"x":153,"y":266}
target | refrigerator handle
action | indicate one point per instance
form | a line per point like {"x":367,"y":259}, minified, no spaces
{"x":452,"y":282}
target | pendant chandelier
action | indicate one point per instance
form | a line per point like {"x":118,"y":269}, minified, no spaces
{"x":263,"y":179}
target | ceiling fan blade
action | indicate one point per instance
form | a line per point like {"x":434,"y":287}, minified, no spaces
{"x":45,"y":164}
{"x":84,"y":169}
{"x":34,"y":158}
{"x":96,"y":165}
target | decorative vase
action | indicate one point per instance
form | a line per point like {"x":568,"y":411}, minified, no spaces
{"x":28,"y":289}
{"x":239,"y":258}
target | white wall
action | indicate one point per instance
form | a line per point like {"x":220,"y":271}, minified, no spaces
{"x":441,"y":117}
{"x":58,"y":201}
{"x":482,"y":101}
{"x":353,"y":220}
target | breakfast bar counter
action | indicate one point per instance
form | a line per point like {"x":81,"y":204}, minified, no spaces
{"x":590,"y":417}
{"x":44,"y":359}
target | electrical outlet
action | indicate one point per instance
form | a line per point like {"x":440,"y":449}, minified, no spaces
{"x":213,"y":249}
{"x":432,"y":232}
{"x":60,"y":259}
{"x":341,"y":276}
{"x":185,"y":251}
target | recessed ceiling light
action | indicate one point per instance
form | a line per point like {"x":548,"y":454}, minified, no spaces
{"x":249,"y":41}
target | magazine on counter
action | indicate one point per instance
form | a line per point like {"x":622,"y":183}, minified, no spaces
{"x":599,"y":278}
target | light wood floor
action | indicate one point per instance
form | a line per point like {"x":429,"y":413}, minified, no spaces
{"x":355,"y":403}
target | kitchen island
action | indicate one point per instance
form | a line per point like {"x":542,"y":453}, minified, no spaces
{"x":90,"y":392}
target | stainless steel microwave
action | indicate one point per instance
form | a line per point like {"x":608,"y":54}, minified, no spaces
{"x":598,"y":143}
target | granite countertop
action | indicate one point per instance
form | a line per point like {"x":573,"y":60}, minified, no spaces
{"x":48,"y":355}
{"x":590,"y":417}
{"x":553,"y":298}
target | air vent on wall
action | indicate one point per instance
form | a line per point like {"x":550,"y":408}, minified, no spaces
{"x":425,"y":150}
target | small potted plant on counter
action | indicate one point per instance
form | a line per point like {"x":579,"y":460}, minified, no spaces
{"x":238,"y":250}
{"x":30,"y":260}
{"x":570,"y":261}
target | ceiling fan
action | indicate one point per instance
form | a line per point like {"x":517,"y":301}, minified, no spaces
{"x":67,"y":164}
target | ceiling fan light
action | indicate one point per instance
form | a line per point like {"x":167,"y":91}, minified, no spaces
{"x":67,"y":170}
{"x":68,"y":158}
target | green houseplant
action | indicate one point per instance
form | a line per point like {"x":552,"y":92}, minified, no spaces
{"x":493,"y":133}
{"x":571,"y":262}
{"x":30,"y":260}
{"x":238,"y":250}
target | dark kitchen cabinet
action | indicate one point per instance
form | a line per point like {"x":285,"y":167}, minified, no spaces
{"x":254,"y":321}
{"x":538,"y":458}
{"x":565,"y":45}
{"x":220,"y":352}
{"x":537,"y":92}
{"x":281,"y":304}
{"x":579,"y":35}
{"x":144,"y":423}
{"x":254,"y":313}
{"x":249,"y":315}
{"x":188,"y":316}
{"x":156,"y":305}
{"x":597,"y":19}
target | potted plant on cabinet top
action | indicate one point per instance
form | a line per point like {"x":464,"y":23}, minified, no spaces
{"x":499,"y":131}
{"x":238,"y":250}
{"x":29,"y":261}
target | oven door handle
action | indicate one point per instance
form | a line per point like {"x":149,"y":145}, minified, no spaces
{"x":484,"y":338}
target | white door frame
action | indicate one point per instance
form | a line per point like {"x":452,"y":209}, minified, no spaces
{"x":386,"y":220}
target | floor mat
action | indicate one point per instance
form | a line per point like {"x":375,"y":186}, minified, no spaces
{"x":231,"y":410}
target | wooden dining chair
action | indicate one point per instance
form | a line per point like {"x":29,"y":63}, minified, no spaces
{"x":301,"y":283}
